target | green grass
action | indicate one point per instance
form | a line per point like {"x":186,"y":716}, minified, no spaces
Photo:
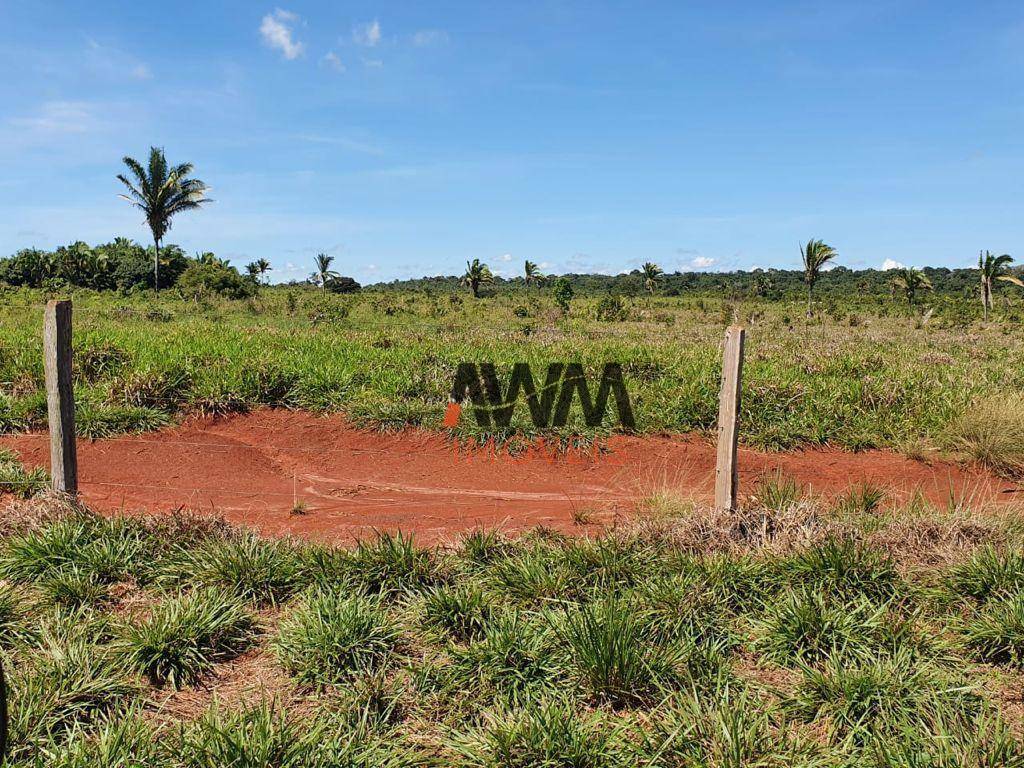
{"x":635,"y":647}
{"x":18,"y":481}
{"x":183,"y":636}
{"x":331,"y":636}
{"x":390,"y":361}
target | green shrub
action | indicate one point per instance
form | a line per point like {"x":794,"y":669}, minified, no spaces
{"x":202,"y":281}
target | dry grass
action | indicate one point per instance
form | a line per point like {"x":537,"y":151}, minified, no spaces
{"x":701,"y":529}
{"x":991,"y":433}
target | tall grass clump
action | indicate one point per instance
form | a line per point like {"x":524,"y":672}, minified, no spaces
{"x":117,"y":740}
{"x":733,"y":730}
{"x":513,"y":662}
{"x":264,"y":736}
{"x":988,"y":572}
{"x":846,"y":567}
{"x":263,"y":571}
{"x":809,"y":626}
{"x":991,"y":433}
{"x":184,"y":636}
{"x":995,"y":633}
{"x":551,"y":733}
{"x":108,"y":550}
{"x":65,"y":684}
{"x":331,"y":636}
{"x":776,"y":491}
{"x":618,"y":662}
{"x":871,"y":698}
{"x":18,"y":481}
{"x":463,"y":612}
{"x":391,"y":563}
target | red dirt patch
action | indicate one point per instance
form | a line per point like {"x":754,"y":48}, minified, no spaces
{"x":253,"y":468}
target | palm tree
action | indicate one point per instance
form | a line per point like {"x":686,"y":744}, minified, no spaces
{"x":324,"y":274}
{"x":815,"y":255}
{"x":652,"y":274}
{"x":532,"y":274}
{"x":477,"y":274}
{"x":161,"y":193}
{"x":910,"y":281}
{"x":263,"y":266}
{"x":252,"y":269}
{"x":993,"y":268}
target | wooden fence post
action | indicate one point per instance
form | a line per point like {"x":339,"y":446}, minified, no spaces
{"x":726,"y":473}
{"x":60,"y":396}
{"x":3,"y":716}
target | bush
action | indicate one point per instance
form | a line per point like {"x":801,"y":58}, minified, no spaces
{"x":343,"y":285}
{"x":563,"y":294}
{"x":611,"y":309}
{"x":203,"y":280}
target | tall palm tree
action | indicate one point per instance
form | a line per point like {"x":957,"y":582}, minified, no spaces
{"x":815,"y":255}
{"x":532,"y":275}
{"x":910,"y":281}
{"x":477,"y":274}
{"x":252,"y":269}
{"x":652,"y":274}
{"x":993,"y":268}
{"x":324,"y":274}
{"x":263,"y":266}
{"x":161,"y":192}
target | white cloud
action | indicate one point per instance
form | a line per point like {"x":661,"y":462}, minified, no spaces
{"x":276,"y":31}
{"x":427,"y":37}
{"x":353,"y":145}
{"x":506,"y":257}
{"x":114,"y":63}
{"x":701,"y":262}
{"x":59,"y":117}
{"x":373,"y":63}
{"x":892,"y":264}
{"x":331,"y":60}
{"x":367,"y":34}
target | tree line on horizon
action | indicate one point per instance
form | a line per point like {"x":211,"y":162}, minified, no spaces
{"x":161,"y":191}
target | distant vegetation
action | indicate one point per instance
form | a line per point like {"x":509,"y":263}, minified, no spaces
{"x":867,"y":370}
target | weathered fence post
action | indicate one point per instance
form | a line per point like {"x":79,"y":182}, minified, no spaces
{"x":3,"y":716}
{"x":60,"y":396}
{"x":726,"y":473}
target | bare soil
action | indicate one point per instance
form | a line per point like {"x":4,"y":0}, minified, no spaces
{"x":288,"y":472}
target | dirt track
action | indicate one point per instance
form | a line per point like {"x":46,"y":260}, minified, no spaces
{"x":252,"y":468}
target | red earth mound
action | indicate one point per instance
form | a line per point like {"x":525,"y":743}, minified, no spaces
{"x":257,"y":468}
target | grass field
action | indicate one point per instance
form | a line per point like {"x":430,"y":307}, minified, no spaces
{"x":787,"y":635}
{"x":856,"y":376}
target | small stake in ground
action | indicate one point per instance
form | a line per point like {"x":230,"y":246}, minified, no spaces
{"x":726,"y":473}
{"x":60,"y":396}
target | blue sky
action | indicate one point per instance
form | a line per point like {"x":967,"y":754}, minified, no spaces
{"x":405,"y":138}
